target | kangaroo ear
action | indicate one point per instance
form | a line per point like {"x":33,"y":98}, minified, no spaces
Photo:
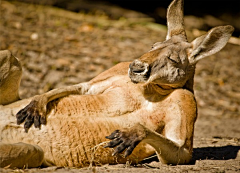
{"x":175,"y":21}
{"x":210,"y":43}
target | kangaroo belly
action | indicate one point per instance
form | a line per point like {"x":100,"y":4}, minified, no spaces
{"x":73,"y":136}
{"x":73,"y":141}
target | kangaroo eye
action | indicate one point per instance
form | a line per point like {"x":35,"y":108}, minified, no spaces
{"x":156,"y":45}
{"x":174,"y":59}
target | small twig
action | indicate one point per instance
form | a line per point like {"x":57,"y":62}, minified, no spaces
{"x":94,"y":150}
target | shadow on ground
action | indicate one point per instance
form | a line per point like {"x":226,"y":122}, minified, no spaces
{"x":215,"y":153}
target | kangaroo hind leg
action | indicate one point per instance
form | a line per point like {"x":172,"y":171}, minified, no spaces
{"x":20,"y":155}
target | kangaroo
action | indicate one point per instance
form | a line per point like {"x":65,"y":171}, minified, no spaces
{"x":142,"y":107}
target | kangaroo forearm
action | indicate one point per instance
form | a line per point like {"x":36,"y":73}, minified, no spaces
{"x":65,"y":91}
{"x":167,"y":150}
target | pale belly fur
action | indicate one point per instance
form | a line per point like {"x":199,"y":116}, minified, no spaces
{"x":71,"y":138}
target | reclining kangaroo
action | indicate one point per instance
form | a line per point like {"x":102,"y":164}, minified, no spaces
{"x":145,"y":106}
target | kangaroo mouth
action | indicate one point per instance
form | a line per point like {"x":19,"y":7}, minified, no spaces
{"x":139,"y":76}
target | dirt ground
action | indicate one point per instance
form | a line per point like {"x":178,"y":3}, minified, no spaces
{"x":59,"y":48}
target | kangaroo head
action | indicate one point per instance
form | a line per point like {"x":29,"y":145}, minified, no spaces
{"x":10,"y":77}
{"x":172,"y":63}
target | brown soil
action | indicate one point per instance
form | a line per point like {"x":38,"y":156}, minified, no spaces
{"x":58,"y":48}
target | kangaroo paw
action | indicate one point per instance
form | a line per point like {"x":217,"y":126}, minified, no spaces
{"x":125,"y":140}
{"x":31,"y":114}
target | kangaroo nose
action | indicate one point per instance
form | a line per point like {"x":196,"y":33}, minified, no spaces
{"x":137,"y":67}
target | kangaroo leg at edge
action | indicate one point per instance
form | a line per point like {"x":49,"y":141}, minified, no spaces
{"x":20,"y":155}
